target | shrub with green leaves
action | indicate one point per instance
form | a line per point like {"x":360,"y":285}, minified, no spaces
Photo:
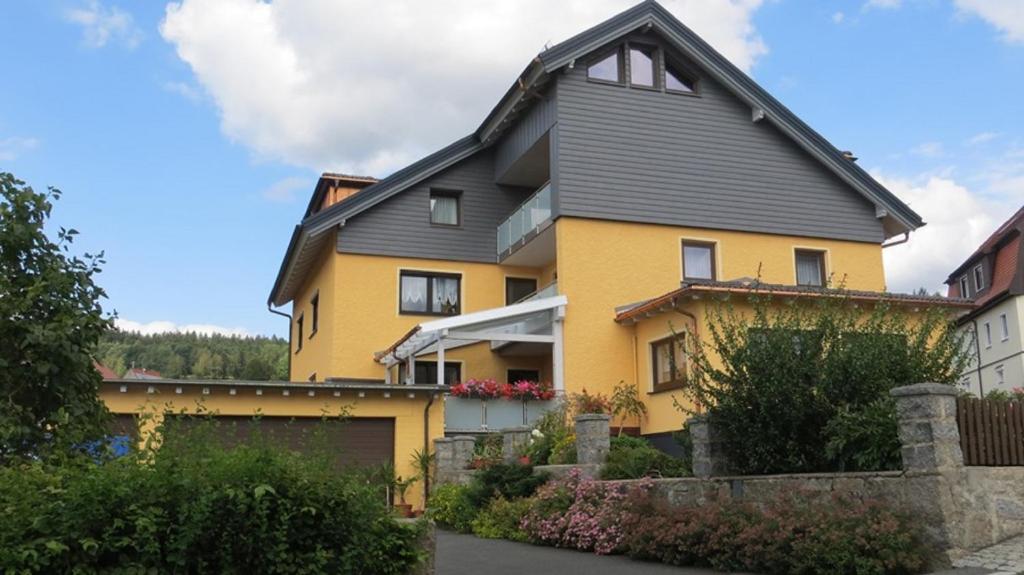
{"x":502,"y":519}
{"x":786,"y":383}
{"x":634,"y":457}
{"x":198,"y":507}
{"x":450,"y":507}
{"x":509,"y":480}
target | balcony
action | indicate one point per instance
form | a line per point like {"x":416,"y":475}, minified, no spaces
{"x":526,"y":222}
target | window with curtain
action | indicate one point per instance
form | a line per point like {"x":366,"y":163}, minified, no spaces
{"x":429,"y":293}
{"x":698,"y":260}
{"x":810,"y":268}
{"x":668,"y":363}
{"x":444,"y":208}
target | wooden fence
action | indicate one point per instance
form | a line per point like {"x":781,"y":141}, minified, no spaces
{"x":991,"y":432}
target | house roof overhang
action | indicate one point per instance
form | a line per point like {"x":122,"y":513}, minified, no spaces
{"x":897,"y":218}
{"x":695,"y":290}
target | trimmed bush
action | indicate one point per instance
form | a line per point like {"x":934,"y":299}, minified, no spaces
{"x":450,"y":507}
{"x":502,"y":519}
{"x":196,"y":507}
{"x":634,"y":457}
{"x":509,"y":480}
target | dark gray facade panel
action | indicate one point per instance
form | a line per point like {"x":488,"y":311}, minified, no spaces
{"x":400,"y":226}
{"x":528,"y":129}
{"x":699,"y":161}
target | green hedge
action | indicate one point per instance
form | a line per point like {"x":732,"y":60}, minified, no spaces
{"x":195,"y":507}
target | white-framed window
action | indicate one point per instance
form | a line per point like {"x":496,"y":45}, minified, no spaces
{"x":988,"y":334}
{"x":979,"y":277}
{"x":1005,"y":325}
{"x":965,"y":287}
{"x":1000,"y":375}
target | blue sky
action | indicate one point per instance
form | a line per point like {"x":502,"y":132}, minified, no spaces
{"x":187,"y":137}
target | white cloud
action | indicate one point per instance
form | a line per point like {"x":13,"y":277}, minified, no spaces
{"x":185,"y":90}
{"x":1005,"y":15}
{"x":153,"y":327}
{"x":958,"y":220}
{"x":981,"y":138}
{"x":838,"y":17}
{"x":100,"y":25}
{"x":929,"y":150}
{"x":883,"y":4}
{"x":284,"y":190}
{"x":365,"y":86}
{"x":13,"y":147}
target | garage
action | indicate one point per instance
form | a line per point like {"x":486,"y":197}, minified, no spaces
{"x":353,"y":442}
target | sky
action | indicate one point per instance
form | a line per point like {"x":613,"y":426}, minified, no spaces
{"x":187,"y":136}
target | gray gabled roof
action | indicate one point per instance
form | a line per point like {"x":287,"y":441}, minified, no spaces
{"x":310,"y":236}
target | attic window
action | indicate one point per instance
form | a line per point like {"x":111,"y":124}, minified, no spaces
{"x":608,"y":68}
{"x":965,"y":290}
{"x":678,"y":81}
{"x":642,"y":66}
{"x":979,"y":278}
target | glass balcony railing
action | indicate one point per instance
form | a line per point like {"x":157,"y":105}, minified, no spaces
{"x":526,"y":219}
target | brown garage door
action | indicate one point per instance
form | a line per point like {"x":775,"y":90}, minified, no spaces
{"x":354,"y":442}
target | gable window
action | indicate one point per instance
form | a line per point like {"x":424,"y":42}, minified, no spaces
{"x":426,"y":372}
{"x":979,"y":278}
{"x":608,"y":68}
{"x":314,"y":305}
{"x":965,"y":289}
{"x":988,"y":335}
{"x":298,"y":333}
{"x":643,"y":66}
{"x":519,"y":288}
{"x":698,"y":260}
{"x":429,"y":293}
{"x":445,"y":208}
{"x":668,"y":363}
{"x":516,"y":375}
{"x":810,"y":268}
{"x":1005,"y":325}
{"x":678,"y":81}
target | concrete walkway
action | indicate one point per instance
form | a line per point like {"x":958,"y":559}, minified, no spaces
{"x":469,"y":555}
{"x":1006,"y":558}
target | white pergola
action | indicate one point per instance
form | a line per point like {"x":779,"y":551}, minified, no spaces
{"x":533,"y":321}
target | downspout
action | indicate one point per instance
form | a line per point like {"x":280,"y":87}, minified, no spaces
{"x":977,"y":356}
{"x":271,"y":309}
{"x":906,"y":238}
{"x":696,"y":337}
{"x":426,"y":447}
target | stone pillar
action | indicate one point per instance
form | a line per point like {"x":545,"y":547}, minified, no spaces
{"x":592,"y":438}
{"x":708,"y":457}
{"x":927,"y":427}
{"x":513,"y":441}
{"x":451,"y":457}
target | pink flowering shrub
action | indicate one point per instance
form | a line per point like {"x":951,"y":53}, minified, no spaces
{"x":528,"y":390}
{"x":477,"y":389}
{"x":581,"y":514}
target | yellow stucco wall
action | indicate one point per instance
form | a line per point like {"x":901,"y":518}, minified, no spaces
{"x":407,"y":412}
{"x":603,"y":265}
{"x":317,"y":348}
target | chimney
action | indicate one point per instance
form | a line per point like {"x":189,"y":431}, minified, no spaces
{"x":341,"y":186}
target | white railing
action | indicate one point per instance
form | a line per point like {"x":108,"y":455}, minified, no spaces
{"x":526,"y":219}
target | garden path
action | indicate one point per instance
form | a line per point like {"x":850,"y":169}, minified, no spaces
{"x":1005,"y":558}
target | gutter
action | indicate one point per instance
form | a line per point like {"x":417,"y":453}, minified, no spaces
{"x":270,"y":308}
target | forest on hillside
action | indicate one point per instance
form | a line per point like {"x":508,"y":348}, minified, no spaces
{"x":196,"y":356}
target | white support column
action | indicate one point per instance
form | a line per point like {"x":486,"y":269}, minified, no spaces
{"x":440,"y":357}
{"x":410,"y":370}
{"x":557,"y":351}
{"x":387,"y":371}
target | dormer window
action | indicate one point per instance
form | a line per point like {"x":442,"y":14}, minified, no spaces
{"x":678,"y":81}
{"x":643,"y":67}
{"x":608,"y":68}
{"x":979,"y":278}
{"x":965,"y":288}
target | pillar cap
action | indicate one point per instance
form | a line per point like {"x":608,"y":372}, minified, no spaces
{"x":924,"y":389}
{"x":593,"y":417}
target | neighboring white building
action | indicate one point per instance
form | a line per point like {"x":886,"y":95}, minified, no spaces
{"x":994,"y":278}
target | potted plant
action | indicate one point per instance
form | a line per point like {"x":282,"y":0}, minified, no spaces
{"x":401,"y":486}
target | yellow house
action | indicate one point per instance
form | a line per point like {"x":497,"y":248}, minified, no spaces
{"x":625,"y":170}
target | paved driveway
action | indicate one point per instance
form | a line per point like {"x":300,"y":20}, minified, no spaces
{"x":468,"y":555}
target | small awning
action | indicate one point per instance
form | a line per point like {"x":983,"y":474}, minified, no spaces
{"x":529,"y":321}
